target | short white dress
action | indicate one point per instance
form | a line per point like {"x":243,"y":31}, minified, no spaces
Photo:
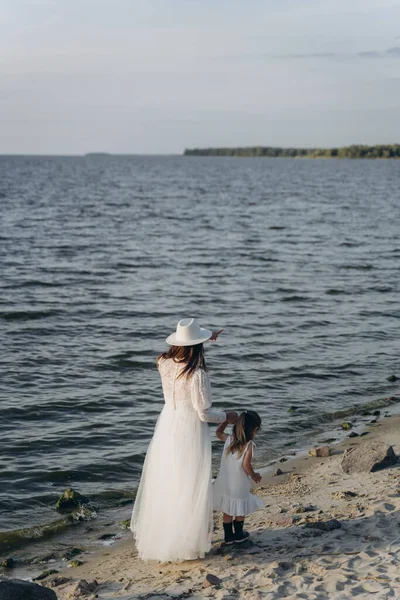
{"x":172,"y":515}
{"x":231,"y":490}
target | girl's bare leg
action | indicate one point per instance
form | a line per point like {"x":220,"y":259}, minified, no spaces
{"x":227,"y":518}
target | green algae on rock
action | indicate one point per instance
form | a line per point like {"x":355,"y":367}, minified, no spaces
{"x":71,"y":553}
{"x":346,"y":426}
{"x":75,"y":563}
{"x":70,"y":499}
{"x":45,"y":574}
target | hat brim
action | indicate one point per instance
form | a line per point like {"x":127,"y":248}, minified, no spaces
{"x":173,"y":341}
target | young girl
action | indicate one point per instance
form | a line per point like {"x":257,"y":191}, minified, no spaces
{"x":232,"y":486}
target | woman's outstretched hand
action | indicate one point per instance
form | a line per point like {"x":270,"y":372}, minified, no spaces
{"x":215,"y":334}
{"x":232,"y":417}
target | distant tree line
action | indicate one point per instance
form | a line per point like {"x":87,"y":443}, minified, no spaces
{"x":355,"y":151}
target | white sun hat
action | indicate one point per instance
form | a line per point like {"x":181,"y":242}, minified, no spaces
{"x":188,"y":333}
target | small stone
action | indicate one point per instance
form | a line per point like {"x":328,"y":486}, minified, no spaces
{"x":329,"y":525}
{"x":45,"y":574}
{"x":364,"y":433}
{"x":8,"y":563}
{"x":80,"y":589}
{"x":212,"y":581}
{"x":70,"y":499}
{"x":106,"y":536}
{"x":353,"y":434}
{"x":300,"y":568}
{"x":346,"y":425}
{"x":374,"y":421}
{"x":376,"y":413}
{"x":297,"y":510}
{"x":285,"y":566}
{"x":320,"y":452}
{"x":302,"y":508}
{"x":392,"y":378}
{"x":283,"y":459}
{"x":71,"y":553}
{"x":346,"y":495}
{"x":57,"y":581}
{"x":278,"y":472}
{"x":75,"y":563}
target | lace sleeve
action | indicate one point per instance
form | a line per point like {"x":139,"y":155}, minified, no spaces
{"x":201,"y":399}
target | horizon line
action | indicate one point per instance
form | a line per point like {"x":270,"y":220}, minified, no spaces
{"x":105,"y":153}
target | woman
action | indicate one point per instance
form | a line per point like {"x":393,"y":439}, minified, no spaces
{"x":172,"y":516}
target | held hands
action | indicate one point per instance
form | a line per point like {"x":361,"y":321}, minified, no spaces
{"x":257,"y":477}
{"x":231,"y":417}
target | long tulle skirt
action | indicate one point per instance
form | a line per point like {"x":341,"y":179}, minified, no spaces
{"x":172,"y":515}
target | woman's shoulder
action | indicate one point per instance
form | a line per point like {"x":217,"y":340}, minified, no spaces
{"x":163,"y":362}
{"x":200,"y":375}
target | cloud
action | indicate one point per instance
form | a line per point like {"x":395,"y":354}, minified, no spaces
{"x":370,"y":54}
{"x":311,"y":55}
{"x":393,"y":52}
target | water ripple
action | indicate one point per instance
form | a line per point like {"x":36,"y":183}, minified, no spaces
{"x":297,"y":260}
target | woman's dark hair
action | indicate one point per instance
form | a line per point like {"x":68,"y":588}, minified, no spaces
{"x":243,"y":431}
{"x":191,"y":356}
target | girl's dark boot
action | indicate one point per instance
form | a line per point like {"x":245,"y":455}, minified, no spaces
{"x":229,"y":535}
{"x":240,"y":534}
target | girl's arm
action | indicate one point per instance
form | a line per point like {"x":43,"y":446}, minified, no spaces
{"x":247,"y":466}
{"x":220,"y":431}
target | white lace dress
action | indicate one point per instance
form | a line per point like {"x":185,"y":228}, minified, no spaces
{"x":172,"y":515}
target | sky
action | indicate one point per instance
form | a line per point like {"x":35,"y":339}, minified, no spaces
{"x":158,"y":76}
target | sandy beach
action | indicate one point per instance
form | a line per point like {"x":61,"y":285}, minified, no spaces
{"x":356,"y":555}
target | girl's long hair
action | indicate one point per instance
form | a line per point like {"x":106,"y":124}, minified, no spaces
{"x":243,"y":431}
{"x":191,"y":356}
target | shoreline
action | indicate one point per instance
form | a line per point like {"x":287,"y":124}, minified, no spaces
{"x":44,"y":543}
{"x":279,"y":533}
{"x":39,"y":539}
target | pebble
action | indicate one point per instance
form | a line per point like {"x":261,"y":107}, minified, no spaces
{"x":324,"y":525}
{"x":8,"y":563}
{"x":320,"y":452}
{"x":212,"y":580}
